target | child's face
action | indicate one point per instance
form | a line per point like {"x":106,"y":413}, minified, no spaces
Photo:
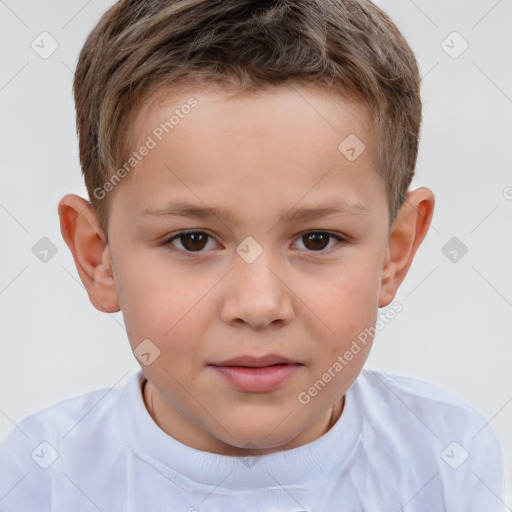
{"x":305,"y":298}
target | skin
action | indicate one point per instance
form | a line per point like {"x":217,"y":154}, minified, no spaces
{"x":260,"y":156}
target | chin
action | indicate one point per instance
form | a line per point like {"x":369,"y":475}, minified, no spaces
{"x":259,"y":445}
{"x":258,"y":435}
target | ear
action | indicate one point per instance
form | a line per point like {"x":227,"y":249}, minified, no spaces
{"x":407,"y":232}
{"x":81,"y":232}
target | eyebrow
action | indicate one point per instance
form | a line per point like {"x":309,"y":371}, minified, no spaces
{"x":226,"y":215}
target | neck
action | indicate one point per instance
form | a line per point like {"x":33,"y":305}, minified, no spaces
{"x":152,"y":405}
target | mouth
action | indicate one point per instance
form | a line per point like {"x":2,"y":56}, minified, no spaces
{"x":257,"y":374}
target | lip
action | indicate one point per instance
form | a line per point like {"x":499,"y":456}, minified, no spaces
{"x":256,"y":361}
{"x":257,"y":374}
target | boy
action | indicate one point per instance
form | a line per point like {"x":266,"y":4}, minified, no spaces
{"x":280,"y":138}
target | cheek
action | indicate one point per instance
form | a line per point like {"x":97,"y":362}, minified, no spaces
{"x":348,"y":302}
{"x":160,"y":302}
{"x":344,"y":308}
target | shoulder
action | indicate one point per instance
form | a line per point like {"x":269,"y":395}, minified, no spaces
{"x":416,"y":395}
{"x":414,"y":435}
{"x":58,"y":420}
{"x":55,"y":434}
{"x":419,"y":413}
{"x":431,"y":426}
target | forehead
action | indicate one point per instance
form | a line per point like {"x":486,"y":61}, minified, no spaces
{"x":285,"y":142}
{"x":256,"y":108}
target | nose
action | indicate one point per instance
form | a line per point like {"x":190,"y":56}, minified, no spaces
{"x":257,"y":295}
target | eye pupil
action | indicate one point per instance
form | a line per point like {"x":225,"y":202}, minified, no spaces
{"x":198,"y":240}
{"x":319,"y":240}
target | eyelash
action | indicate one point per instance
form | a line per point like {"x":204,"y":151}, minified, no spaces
{"x":168,"y":241}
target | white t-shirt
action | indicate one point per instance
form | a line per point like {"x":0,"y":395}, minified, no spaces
{"x":400,"y":445}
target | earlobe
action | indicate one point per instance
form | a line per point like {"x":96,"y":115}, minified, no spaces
{"x":91,"y":253}
{"x":408,"y":231}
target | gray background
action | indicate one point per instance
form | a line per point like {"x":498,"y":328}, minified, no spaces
{"x":455,"y":328}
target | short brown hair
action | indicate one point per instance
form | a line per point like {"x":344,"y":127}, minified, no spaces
{"x":350,"y":47}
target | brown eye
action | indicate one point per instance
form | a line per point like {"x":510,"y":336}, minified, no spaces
{"x":318,"y":240}
{"x":193,"y":241}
